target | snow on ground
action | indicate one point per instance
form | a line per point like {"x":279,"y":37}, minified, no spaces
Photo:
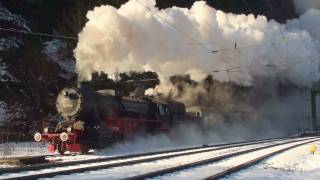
{"x":204,"y":171}
{"x":4,"y":74}
{"x":8,"y":43}
{"x":54,"y":50}
{"x":296,"y":163}
{"x":125,"y":171}
{"x":17,"y":20}
{"x":138,"y":145}
{"x":11,"y":21}
{"x":86,"y":165}
{"x":178,"y":137}
{"x":115,"y":173}
{"x":8,"y":150}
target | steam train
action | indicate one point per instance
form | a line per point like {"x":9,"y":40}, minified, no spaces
{"x":96,"y":119}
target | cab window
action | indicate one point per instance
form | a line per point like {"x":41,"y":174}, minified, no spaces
{"x":163,"y":109}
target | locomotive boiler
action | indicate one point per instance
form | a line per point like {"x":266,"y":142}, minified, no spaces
{"x":96,"y":119}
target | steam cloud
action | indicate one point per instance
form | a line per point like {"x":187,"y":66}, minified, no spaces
{"x":236,"y":50}
{"x":302,"y":5}
{"x":198,"y":41}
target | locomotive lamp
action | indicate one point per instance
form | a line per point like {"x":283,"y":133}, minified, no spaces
{"x":37,"y":137}
{"x":64,"y":136}
{"x":45,"y":130}
{"x":69,"y":129}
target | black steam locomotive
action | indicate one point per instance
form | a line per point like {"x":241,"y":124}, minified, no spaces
{"x":94,"y":119}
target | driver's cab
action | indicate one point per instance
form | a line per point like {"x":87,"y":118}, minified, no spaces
{"x":163,"y":112}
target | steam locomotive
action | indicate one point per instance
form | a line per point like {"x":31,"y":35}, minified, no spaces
{"x":95,"y":119}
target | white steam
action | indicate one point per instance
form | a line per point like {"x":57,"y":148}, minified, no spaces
{"x":198,"y":41}
{"x":309,"y":21}
{"x":302,"y":5}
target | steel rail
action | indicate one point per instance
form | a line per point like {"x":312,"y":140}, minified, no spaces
{"x":97,"y":160}
{"x":252,"y":162}
{"x":129,"y":162}
{"x":206,"y":161}
{"x":125,"y":163}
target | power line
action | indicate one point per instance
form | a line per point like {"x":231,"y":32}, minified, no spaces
{"x":173,"y":26}
{"x":305,"y":59}
{"x":38,"y":34}
{"x":183,"y":33}
{"x":177,"y":29}
{"x":232,"y":44}
{"x":239,"y":47}
{"x":232,"y":69}
{"x":248,"y":7}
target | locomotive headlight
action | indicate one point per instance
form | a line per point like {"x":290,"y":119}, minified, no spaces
{"x":69,"y":129}
{"x":37,"y":137}
{"x":45,"y":130}
{"x":64,"y":136}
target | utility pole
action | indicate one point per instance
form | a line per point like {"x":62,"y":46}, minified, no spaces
{"x":315,"y":90}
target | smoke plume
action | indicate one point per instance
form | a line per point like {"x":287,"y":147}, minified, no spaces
{"x":198,"y":41}
{"x":241,"y":68}
{"x":302,"y":5}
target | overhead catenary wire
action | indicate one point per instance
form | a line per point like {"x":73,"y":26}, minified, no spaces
{"x":74,"y":38}
{"x":173,"y":26}
{"x":194,"y":40}
{"x":38,"y":34}
{"x":177,"y":29}
{"x":235,"y":47}
{"x":242,"y":47}
{"x":43,"y":15}
{"x":201,"y":44}
{"x":272,"y":45}
{"x":275,"y":49}
{"x":231,"y":43}
{"x":285,"y":40}
{"x":303,"y":40}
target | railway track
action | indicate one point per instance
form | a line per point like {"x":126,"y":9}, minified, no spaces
{"x":50,"y":170}
{"x":104,"y":159}
{"x":250,"y":163}
{"x":225,"y":172}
